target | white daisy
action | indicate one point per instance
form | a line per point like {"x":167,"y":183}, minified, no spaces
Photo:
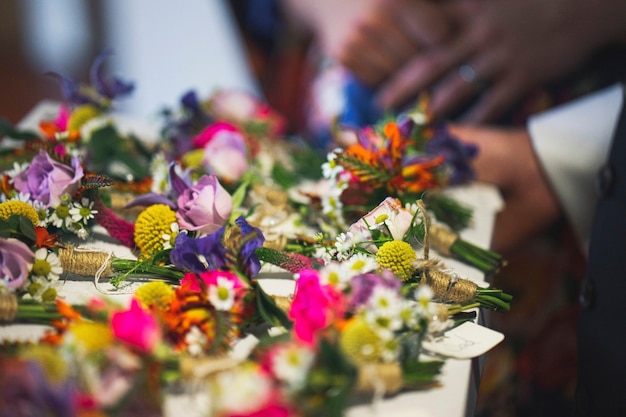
{"x":82,"y":212}
{"x":222,"y":295}
{"x":47,"y":265}
{"x":333,"y":274}
{"x":170,"y":238}
{"x":291,"y":363}
{"x":17,"y":170}
{"x":195,"y":340}
{"x":359,"y":263}
{"x":61,"y":217}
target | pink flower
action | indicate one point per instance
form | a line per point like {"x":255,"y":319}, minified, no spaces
{"x":225,"y":151}
{"x":136,"y":327}
{"x":240,"y":107}
{"x":390,"y":212}
{"x":314,"y":305}
{"x":204,"y":207}
{"x":15,"y":262}
{"x":210,"y":278}
{"x":46,"y":180}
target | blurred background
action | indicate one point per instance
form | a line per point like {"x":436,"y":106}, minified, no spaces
{"x":169,"y":47}
{"x":165,"y":48}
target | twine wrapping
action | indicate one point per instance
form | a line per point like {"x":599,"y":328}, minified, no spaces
{"x":379,"y":378}
{"x":283,"y":302}
{"x":201,"y":368}
{"x":85,"y":262}
{"x":442,"y":239}
{"x":445,"y":286}
{"x":8,"y":306}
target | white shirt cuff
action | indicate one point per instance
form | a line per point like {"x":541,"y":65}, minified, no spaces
{"x":572,"y":142}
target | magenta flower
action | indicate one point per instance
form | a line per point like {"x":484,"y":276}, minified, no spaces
{"x":204,"y":207}
{"x":225,"y":151}
{"x":46,"y":180}
{"x":15,"y":261}
{"x":313,"y":305}
{"x":136,"y":327}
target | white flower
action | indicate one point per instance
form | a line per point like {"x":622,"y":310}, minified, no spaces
{"x":330,"y":169}
{"x":291,"y":363}
{"x":82,"y":212}
{"x":170,"y":238}
{"x":159,"y":168}
{"x":359,"y":263}
{"x":17,"y":170}
{"x":61,"y":217}
{"x":344,"y":245}
{"x":424,"y":296}
{"x":240,"y":390}
{"x":47,"y":265}
{"x":222,"y":295}
{"x":334,"y":274}
{"x":195,"y":340}
{"x":42,"y":213}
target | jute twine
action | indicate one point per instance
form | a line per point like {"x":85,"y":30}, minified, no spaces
{"x":85,"y":262}
{"x":445,"y":286}
{"x":8,"y":306}
{"x":379,"y":378}
{"x":442,"y":239}
{"x":201,"y":368}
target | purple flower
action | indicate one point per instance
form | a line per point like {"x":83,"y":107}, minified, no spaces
{"x":105,"y":87}
{"x":252,"y":238}
{"x":15,"y":261}
{"x":204,"y":207}
{"x":25,"y":391}
{"x":46,"y":180}
{"x":456,"y":153}
{"x":363,"y":285}
{"x":199,"y":254}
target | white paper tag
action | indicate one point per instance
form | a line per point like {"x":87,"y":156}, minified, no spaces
{"x":466,"y":341}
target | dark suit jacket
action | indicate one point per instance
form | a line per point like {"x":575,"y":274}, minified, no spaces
{"x":602,"y":329}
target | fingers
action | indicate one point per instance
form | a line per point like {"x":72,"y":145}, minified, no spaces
{"x":499,"y":98}
{"x":376,"y":50}
{"x":421,"y":72}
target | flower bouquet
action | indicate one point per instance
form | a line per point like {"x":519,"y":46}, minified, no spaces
{"x":205,"y":198}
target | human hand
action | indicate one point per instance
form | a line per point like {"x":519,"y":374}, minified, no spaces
{"x":507,"y":160}
{"x":372,"y":38}
{"x":508,"y":48}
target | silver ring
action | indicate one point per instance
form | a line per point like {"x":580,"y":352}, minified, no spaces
{"x":469,"y":74}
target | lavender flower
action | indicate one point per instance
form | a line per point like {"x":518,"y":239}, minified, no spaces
{"x":199,"y":254}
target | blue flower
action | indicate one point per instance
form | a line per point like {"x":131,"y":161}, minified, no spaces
{"x":252,"y":238}
{"x":199,"y":254}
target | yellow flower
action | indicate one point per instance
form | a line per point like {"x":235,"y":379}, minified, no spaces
{"x":152,"y":223}
{"x":397,"y":256}
{"x":359,"y":342}
{"x":193,"y":159}
{"x":91,"y":335}
{"x":49,"y":358}
{"x":81,"y":115}
{"x":155,"y":293}
{"x":22,"y":208}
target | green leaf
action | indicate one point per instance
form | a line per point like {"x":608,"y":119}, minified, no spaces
{"x":8,"y":130}
{"x":268,"y":309}
{"x":5,"y":228}
{"x":27,"y":228}
{"x":240,"y":194}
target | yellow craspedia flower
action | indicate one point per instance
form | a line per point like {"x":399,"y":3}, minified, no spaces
{"x":22,"y":208}
{"x":155,"y":293}
{"x":81,"y":115}
{"x":399,"y":257}
{"x":193,"y":158}
{"x":91,"y":335}
{"x":359,"y":342}
{"x":52,"y":364}
{"x":152,"y":227}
